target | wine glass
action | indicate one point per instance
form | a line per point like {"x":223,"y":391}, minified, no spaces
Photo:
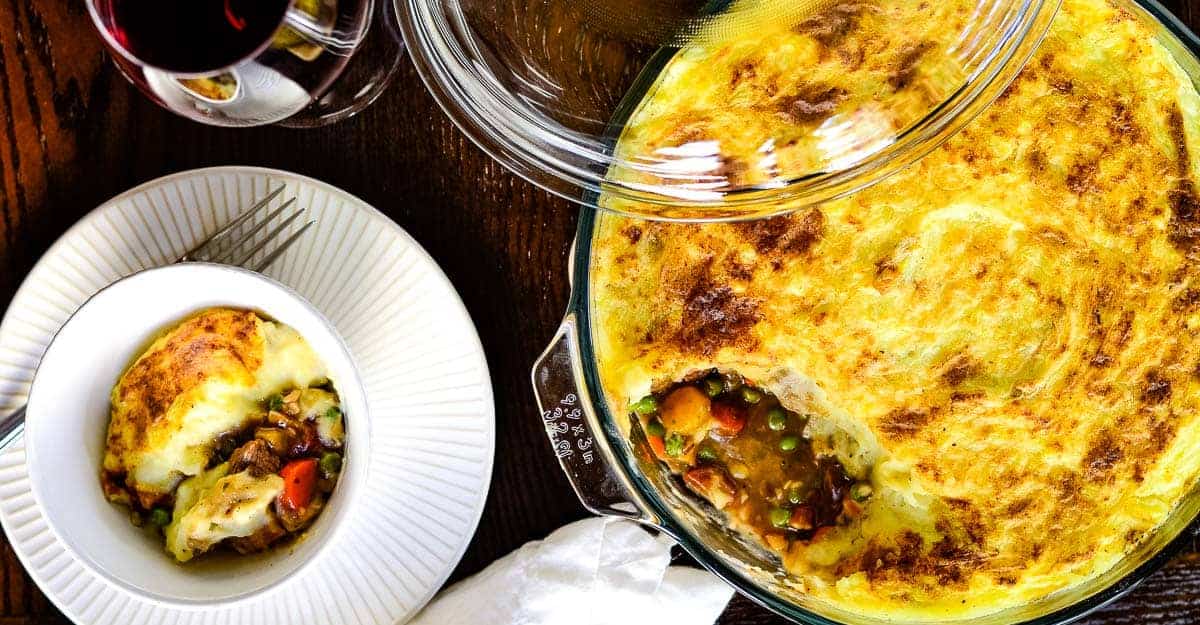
{"x":252,"y":62}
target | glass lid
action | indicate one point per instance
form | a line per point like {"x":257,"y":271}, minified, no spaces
{"x":715,"y":109}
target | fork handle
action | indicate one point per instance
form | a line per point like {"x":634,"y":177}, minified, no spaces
{"x":11,"y":427}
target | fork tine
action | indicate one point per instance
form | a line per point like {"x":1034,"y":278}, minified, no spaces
{"x":237,"y":221}
{"x":266,"y":262}
{"x":270,"y":236}
{"x":248,"y":236}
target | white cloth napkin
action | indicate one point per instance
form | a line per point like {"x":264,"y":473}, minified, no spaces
{"x":592,"y":572}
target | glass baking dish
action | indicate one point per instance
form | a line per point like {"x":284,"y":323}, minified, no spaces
{"x":608,"y":463}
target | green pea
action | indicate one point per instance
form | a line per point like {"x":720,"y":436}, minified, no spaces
{"x":751,"y":395}
{"x":779,"y":516}
{"x":330,"y":463}
{"x":654,"y":427}
{"x":646,"y":405}
{"x":795,"y":495}
{"x":275,"y":402}
{"x":333,"y":413}
{"x":674,"y":444}
{"x":861,"y":492}
{"x":789,"y":442}
{"x":707,"y":454}
{"x":713,"y":387}
{"x":777,"y":418}
{"x":160,"y":517}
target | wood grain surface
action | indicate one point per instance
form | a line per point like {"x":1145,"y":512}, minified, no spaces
{"x":73,"y":133}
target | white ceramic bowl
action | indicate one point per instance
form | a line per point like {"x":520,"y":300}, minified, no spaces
{"x":68,"y":414}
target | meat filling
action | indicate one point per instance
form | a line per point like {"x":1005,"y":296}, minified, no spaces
{"x":264,"y":483}
{"x":737,"y":447}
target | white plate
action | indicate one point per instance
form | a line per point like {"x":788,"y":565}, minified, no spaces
{"x":432,"y":414}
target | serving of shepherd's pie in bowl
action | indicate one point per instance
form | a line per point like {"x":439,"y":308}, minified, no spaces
{"x":197,"y":434}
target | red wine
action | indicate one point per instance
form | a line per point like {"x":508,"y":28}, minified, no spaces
{"x":191,"y":36}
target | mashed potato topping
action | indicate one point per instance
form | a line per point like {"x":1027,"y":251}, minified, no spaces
{"x":1002,"y":338}
{"x":214,"y":505}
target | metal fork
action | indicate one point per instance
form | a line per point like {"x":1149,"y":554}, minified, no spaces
{"x":227,"y":246}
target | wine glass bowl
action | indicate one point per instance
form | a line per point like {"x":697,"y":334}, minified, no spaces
{"x":254,"y":62}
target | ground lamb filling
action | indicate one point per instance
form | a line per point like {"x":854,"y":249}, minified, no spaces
{"x":739,"y":449}
{"x":264,"y":485}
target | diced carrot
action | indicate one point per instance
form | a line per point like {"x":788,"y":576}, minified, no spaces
{"x":802,"y":518}
{"x":299,"y":480}
{"x":730,"y":419}
{"x":686,"y":410}
{"x":658,"y":445}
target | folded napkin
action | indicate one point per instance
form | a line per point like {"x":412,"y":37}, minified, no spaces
{"x":591,"y":572}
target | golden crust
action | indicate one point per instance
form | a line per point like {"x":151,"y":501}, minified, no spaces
{"x":757,"y":120}
{"x":217,"y":344}
{"x":1008,"y":329}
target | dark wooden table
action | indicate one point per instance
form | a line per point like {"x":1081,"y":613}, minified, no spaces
{"x":73,"y":133}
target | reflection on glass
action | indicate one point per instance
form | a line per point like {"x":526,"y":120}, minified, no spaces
{"x":251,"y":62}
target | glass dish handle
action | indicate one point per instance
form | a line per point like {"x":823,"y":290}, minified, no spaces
{"x":576,"y":435}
